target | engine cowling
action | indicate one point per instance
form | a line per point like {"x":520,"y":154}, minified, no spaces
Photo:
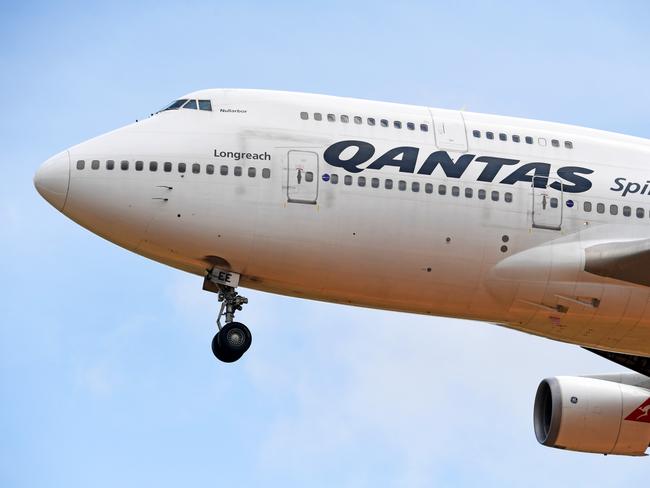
{"x":592,"y":415}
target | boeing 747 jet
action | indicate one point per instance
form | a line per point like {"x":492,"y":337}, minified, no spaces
{"x":536,"y":226}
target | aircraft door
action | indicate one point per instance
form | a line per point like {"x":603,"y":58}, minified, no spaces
{"x":302,"y":177}
{"x":450,"y":130}
{"x":548,"y":203}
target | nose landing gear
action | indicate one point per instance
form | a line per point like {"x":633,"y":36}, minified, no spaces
{"x":234,"y":338}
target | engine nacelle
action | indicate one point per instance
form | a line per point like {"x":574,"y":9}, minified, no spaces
{"x":592,"y":415}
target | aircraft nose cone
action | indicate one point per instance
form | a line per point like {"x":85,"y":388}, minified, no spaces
{"x":53,"y":178}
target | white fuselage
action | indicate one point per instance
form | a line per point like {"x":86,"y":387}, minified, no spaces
{"x":300,"y":206}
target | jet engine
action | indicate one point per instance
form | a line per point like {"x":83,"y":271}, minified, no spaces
{"x":600,"y":414}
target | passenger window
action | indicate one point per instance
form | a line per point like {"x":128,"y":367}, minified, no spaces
{"x":401,"y":185}
{"x":304,"y":115}
{"x":613,"y":209}
{"x":361,"y":181}
{"x":167,"y":167}
{"x":318,"y":116}
{"x":476,"y":133}
{"x":153,"y":166}
{"x":81,"y":164}
{"x":110,"y":164}
{"x":357,"y":120}
{"x":371,"y":121}
{"x":600,"y":208}
{"x":541,"y":141}
{"x":266,"y":173}
{"x":397,"y":124}
{"x":507,"y":196}
{"x":205,"y":105}
{"x":95,"y":164}
{"x":489,"y":135}
{"x":640,"y":213}
{"x":347,"y":180}
{"x":182,"y":167}
{"x":388,"y":184}
{"x":529,"y":140}
{"x":251,"y":174}
{"x":124,"y":165}
{"x":503,"y":137}
{"x":586,"y":206}
{"x":468,"y":193}
{"x":410,"y":126}
{"x":442,"y":190}
{"x":309,"y":176}
{"x":209,"y":169}
{"x":196,"y":168}
{"x":555,"y":143}
{"x":516,"y":138}
{"x":553,"y":202}
{"x":568,"y":144}
{"x":415,"y":186}
{"x":383,"y":122}
{"x":237,"y":171}
{"x":424,"y":127}
{"x":334,"y":179}
{"x":481,"y":194}
{"x":191,"y":104}
{"x":139,"y":165}
{"x":345,"y":119}
{"x":455,"y":191}
{"x":495,"y":196}
{"x":428,"y":188}
{"x":223,"y":170}
{"x":331,"y":118}
{"x":627,"y":211}
{"x":374,"y":182}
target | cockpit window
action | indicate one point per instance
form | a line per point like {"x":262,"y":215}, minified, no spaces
{"x":175,"y":105}
{"x":190,"y":104}
{"x":205,"y":105}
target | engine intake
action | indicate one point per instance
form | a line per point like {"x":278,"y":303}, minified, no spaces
{"x":590,"y":414}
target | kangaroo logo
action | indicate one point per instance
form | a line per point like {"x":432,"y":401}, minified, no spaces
{"x":641,"y":413}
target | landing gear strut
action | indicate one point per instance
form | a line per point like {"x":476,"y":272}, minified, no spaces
{"x":233,"y":338}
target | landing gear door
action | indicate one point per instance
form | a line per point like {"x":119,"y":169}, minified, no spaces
{"x":547,"y":203}
{"x":302,"y":177}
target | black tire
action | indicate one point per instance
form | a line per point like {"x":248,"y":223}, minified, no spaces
{"x":231,"y":342}
{"x":235,"y":337}
{"x":220,"y":353}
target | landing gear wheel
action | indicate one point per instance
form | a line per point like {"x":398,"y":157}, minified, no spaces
{"x":233,"y":338}
{"x":220,"y":353}
{"x":231,"y":342}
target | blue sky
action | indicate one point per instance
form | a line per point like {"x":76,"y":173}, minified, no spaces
{"x":106,"y":374}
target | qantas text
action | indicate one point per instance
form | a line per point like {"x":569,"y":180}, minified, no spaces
{"x":357,"y":153}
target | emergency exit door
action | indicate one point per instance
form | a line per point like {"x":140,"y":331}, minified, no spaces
{"x":302,"y":177}
{"x":449,"y":127}
{"x":547,"y":203}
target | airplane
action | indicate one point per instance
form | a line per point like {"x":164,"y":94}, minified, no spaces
{"x":536,"y":226}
